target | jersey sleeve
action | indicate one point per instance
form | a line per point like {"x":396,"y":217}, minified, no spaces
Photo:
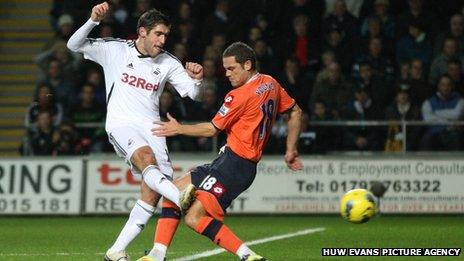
{"x":230,"y":111}
{"x":182,"y":82}
{"x":286,"y":102}
{"x":97,"y":50}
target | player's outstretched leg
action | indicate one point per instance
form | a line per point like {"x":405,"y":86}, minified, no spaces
{"x":198,"y":219}
{"x":138,"y":218}
{"x":169,"y":219}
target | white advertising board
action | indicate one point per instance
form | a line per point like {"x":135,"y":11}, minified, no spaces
{"x":112,"y":188}
{"x":40,"y":186}
{"x":413,"y":185}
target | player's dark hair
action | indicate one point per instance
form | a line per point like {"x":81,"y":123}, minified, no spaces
{"x":151,"y":18}
{"x":242,"y":53}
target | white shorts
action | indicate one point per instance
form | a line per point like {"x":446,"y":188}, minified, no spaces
{"x":128,"y":139}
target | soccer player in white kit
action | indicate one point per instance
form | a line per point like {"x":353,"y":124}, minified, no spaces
{"x":135,"y":75}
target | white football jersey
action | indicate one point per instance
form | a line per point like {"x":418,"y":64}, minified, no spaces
{"x":134,"y":82}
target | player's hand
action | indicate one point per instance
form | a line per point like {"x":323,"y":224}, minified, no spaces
{"x":293,"y":161}
{"x":194,"y":70}
{"x":167,"y":128}
{"x":99,"y":12}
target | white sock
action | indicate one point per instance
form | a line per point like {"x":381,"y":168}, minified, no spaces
{"x":138,"y":217}
{"x":158,"y":252}
{"x":243,"y":250}
{"x":159,"y":183}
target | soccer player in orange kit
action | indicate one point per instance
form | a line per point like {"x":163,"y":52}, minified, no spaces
{"x":247,"y":116}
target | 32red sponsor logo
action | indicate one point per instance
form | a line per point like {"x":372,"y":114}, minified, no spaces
{"x":138,"y":82}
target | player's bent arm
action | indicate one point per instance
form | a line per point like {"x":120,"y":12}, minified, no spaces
{"x":294,"y":128}
{"x":78,"y":39}
{"x":204,"y":129}
{"x":196,"y":93}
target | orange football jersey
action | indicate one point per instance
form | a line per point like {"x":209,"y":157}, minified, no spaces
{"x":248,"y":113}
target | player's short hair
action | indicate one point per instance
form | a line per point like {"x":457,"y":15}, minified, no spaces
{"x":151,"y":18}
{"x":242,"y":53}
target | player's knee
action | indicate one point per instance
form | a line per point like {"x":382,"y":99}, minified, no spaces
{"x":143,"y":157}
{"x":192,"y":219}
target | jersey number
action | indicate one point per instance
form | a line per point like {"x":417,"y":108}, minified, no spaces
{"x":208,"y":182}
{"x":268,"y":111}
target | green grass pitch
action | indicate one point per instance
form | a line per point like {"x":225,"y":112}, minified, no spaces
{"x":86,"y":238}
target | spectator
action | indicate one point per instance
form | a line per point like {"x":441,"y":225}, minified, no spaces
{"x":327,"y":138}
{"x":328,"y":57}
{"x":94,"y":77}
{"x":70,"y":62}
{"x":63,"y":89}
{"x":417,"y":87}
{"x":117,"y":26}
{"x":374,"y":31}
{"x":404,"y":71}
{"x":456,"y":31}
{"x":141,"y":7}
{"x":66,"y":140}
{"x":335,"y":43}
{"x":40,"y":139}
{"x":301,"y":45}
{"x":88,"y":110}
{"x":381,"y":91}
{"x":65,"y":30}
{"x":355,"y":7}
{"x":265,"y":59}
{"x":313,"y":9}
{"x":417,"y":13}
{"x":445,"y":106}
{"x":414,"y":45}
{"x":296,"y":83}
{"x":218,"y":42}
{"x":440,"y":63}
{"x":341,"y":18}
{"x":363,"y":138}
{"x":335,"y":91}
{"x":180,"y":52}
{"x":185,"y":35}
{"x":167,"y":105}
{"x":212,"y":54}
{"x":454,"y":71}
{"x":386,"y":21}
{"x":185,"y":15}
{"x":402,"y":110}
{"x":205,"y":111}
{"x":106,"y":31}
{"x":216,"y":23}
{"x":176,"y":109}
{"x":254,"y":35}
{"x":212,"y":80}
{"x":382,"y":66}
{"x":44,"y":101}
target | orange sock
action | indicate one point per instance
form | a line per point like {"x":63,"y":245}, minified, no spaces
{"x":219,"y":234}
{"x":167,"y":223}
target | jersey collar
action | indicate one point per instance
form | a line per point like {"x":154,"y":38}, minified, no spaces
{"x":139,"y":54}
{"x":253,"y":78}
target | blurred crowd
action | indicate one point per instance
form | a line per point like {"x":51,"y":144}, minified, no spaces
{"x":342,"y":60}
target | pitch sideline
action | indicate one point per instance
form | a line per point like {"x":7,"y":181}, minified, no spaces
{"x":251,"y":243}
